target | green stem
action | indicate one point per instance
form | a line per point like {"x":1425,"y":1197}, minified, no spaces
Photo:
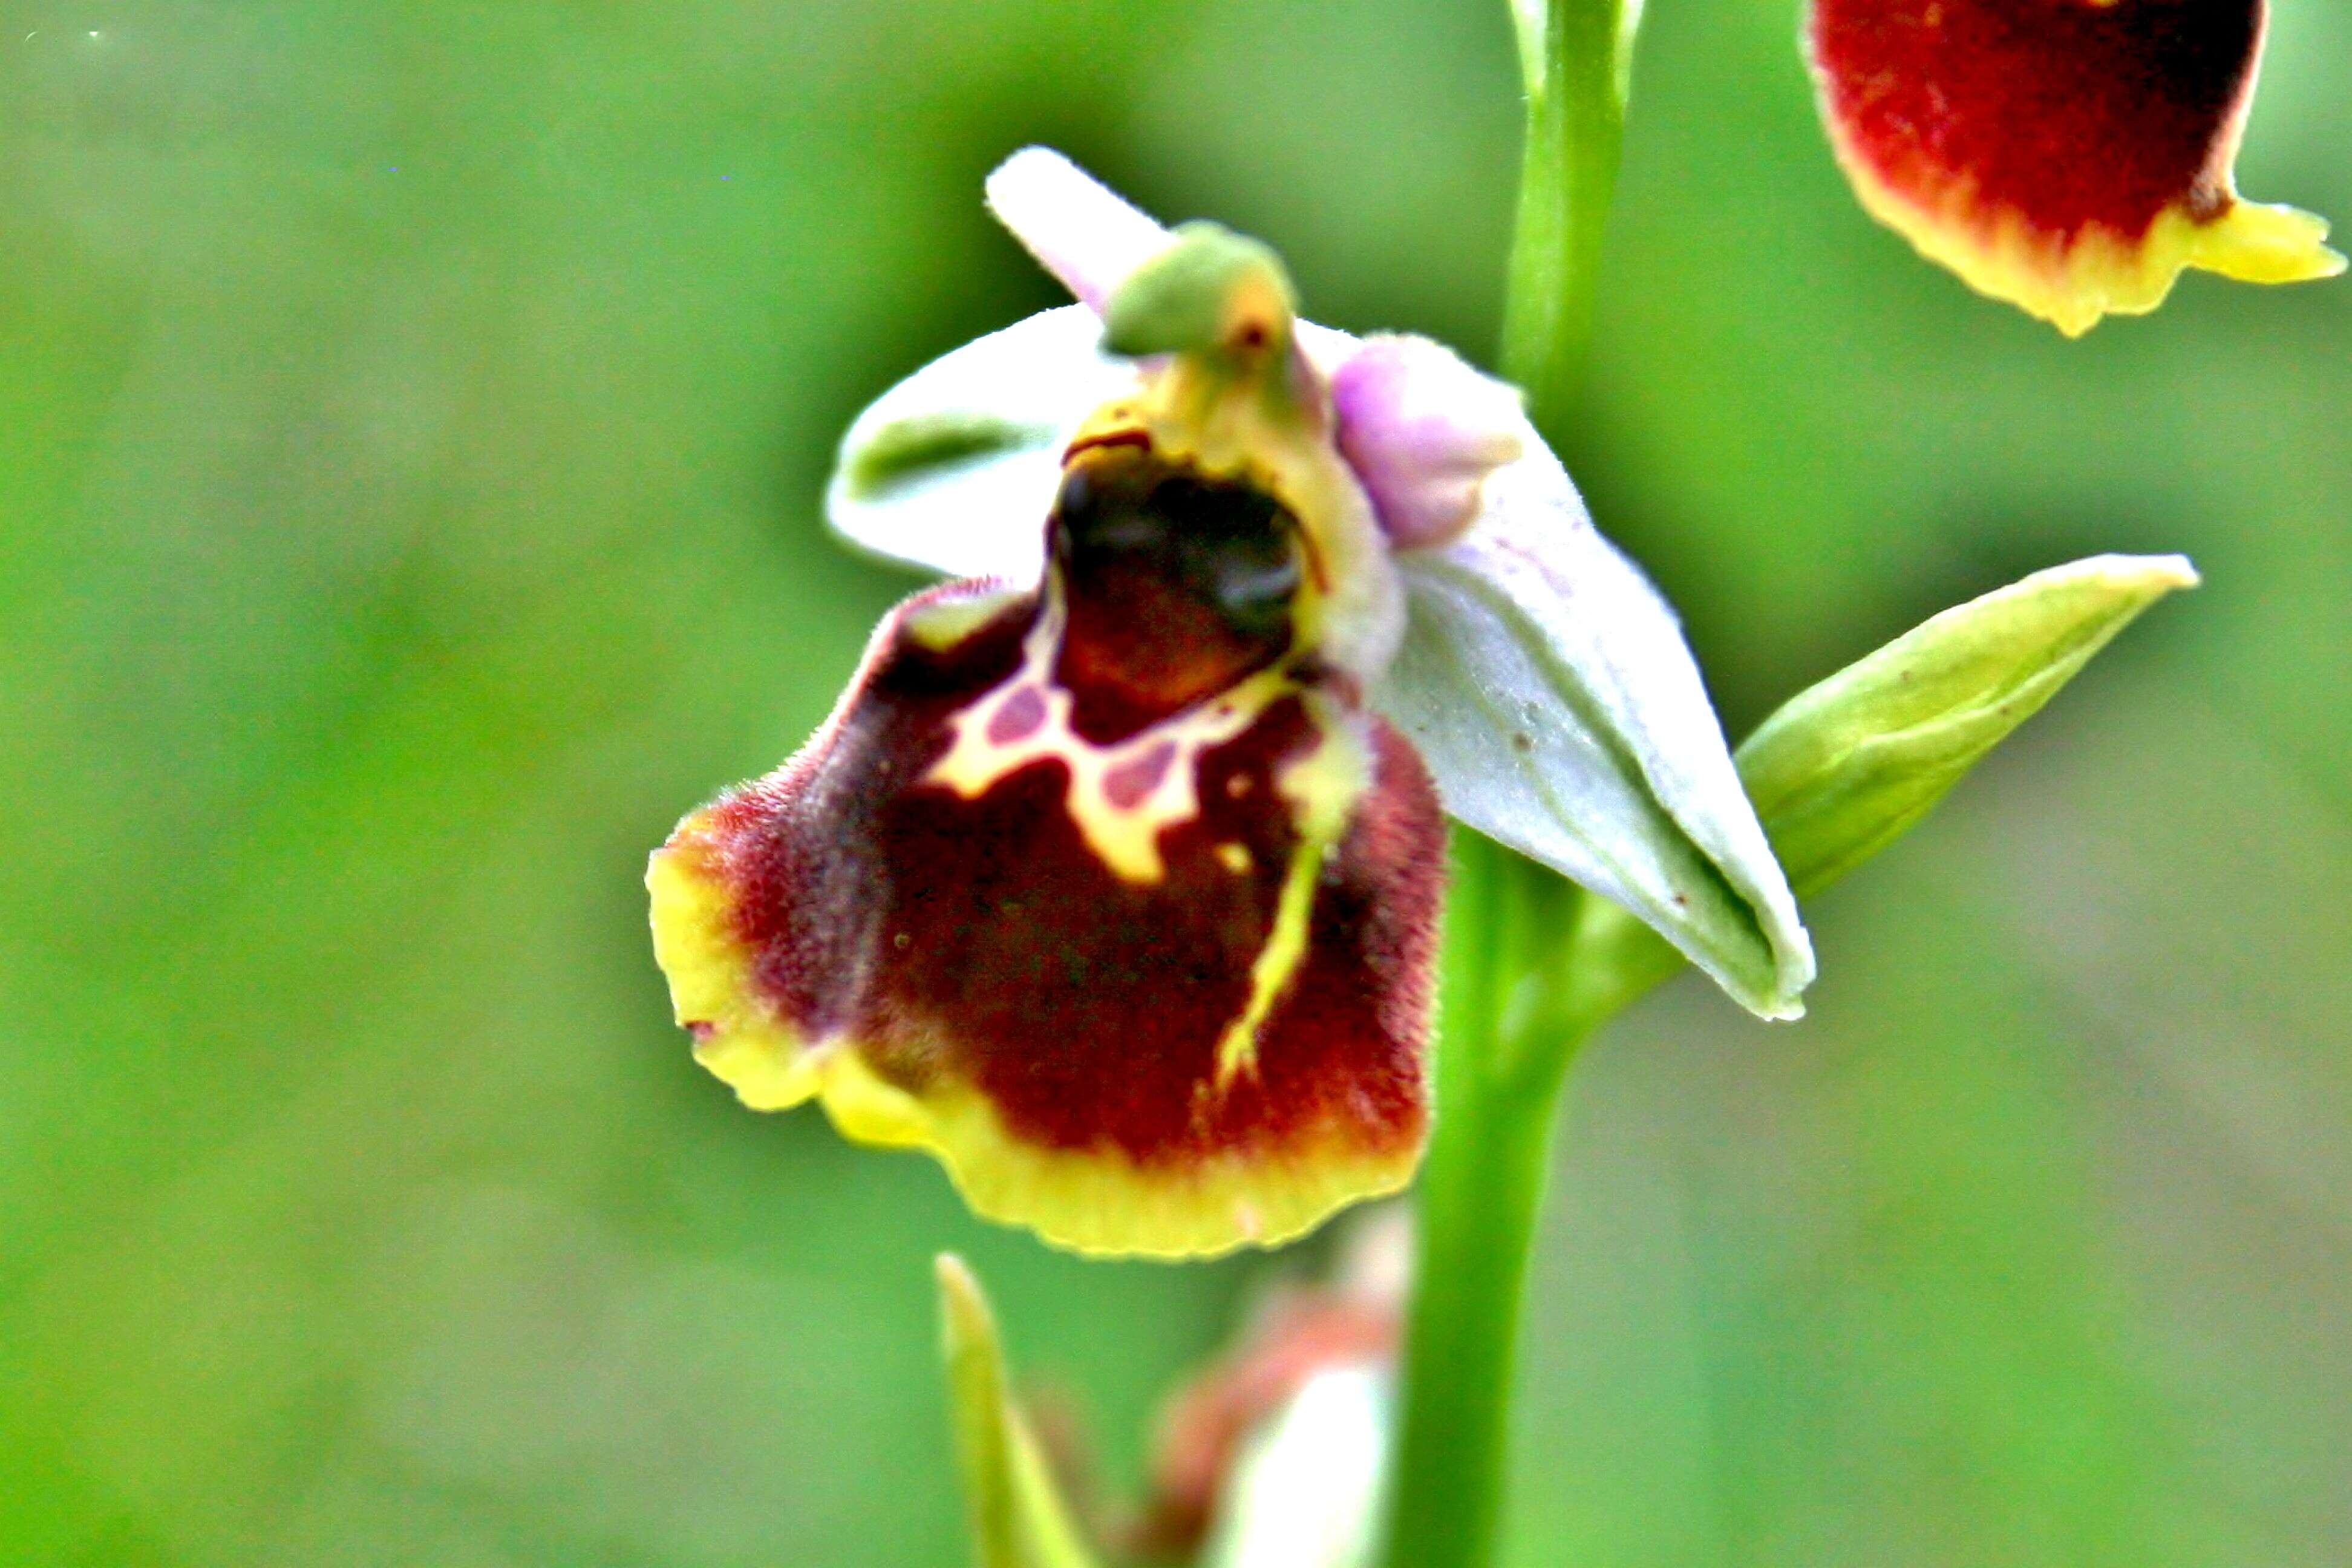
{"x":1513,"y":1020}
{"x":1573,"y":64}
{"x":1479,"y":1193}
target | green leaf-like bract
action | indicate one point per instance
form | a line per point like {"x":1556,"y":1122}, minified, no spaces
{"x":1841,"y":770}
{"x":1845,"y":767}
{"x":1018,"y":1518}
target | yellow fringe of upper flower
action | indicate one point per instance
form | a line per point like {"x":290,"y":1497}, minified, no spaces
{"x":1998,"y":254}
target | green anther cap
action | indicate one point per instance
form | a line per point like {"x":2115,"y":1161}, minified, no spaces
{"x":1210,"y":292}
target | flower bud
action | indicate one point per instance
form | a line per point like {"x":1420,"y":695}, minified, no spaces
{"x":1847,"y":766}
{"x":1307,"y":1493}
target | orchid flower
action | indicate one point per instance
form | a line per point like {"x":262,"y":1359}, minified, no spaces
{"x":2069,"y":156}
{"x":1273,"y":1452}
{"x":1113,"y":879}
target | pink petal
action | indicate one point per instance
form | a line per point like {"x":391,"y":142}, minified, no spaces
{"x":1422,"y":431}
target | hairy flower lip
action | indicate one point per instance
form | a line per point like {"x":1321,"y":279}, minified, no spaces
{"x":1216,"y":1046}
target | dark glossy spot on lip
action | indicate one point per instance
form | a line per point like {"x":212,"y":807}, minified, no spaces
{"x":1177,"y":585}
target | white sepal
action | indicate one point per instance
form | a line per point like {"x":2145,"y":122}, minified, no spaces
{"x":1549,"y":687}
{"x":1079,"y":229}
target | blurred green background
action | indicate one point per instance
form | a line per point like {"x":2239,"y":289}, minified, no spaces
{"x":411,"y":421}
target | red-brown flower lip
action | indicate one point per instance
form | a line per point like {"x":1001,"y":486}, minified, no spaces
{"x":2072,"y":156}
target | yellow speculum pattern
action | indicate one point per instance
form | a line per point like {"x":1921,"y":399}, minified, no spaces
{"x":1318,"y":790}
{"x":1124,"y":837}
{"x":1321,"y":787}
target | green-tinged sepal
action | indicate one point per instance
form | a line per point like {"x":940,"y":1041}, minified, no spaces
{"x":911,"y":449}
{"x":1845,"y":767}
{"x":1018,"y":1518}
{"x":1549,"y":686}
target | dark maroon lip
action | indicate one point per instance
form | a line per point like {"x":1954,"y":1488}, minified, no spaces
{"x":980,"y":941}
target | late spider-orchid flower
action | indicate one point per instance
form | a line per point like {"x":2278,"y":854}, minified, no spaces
{"x":2069,"y":156}
{"x":1113,"y":879}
